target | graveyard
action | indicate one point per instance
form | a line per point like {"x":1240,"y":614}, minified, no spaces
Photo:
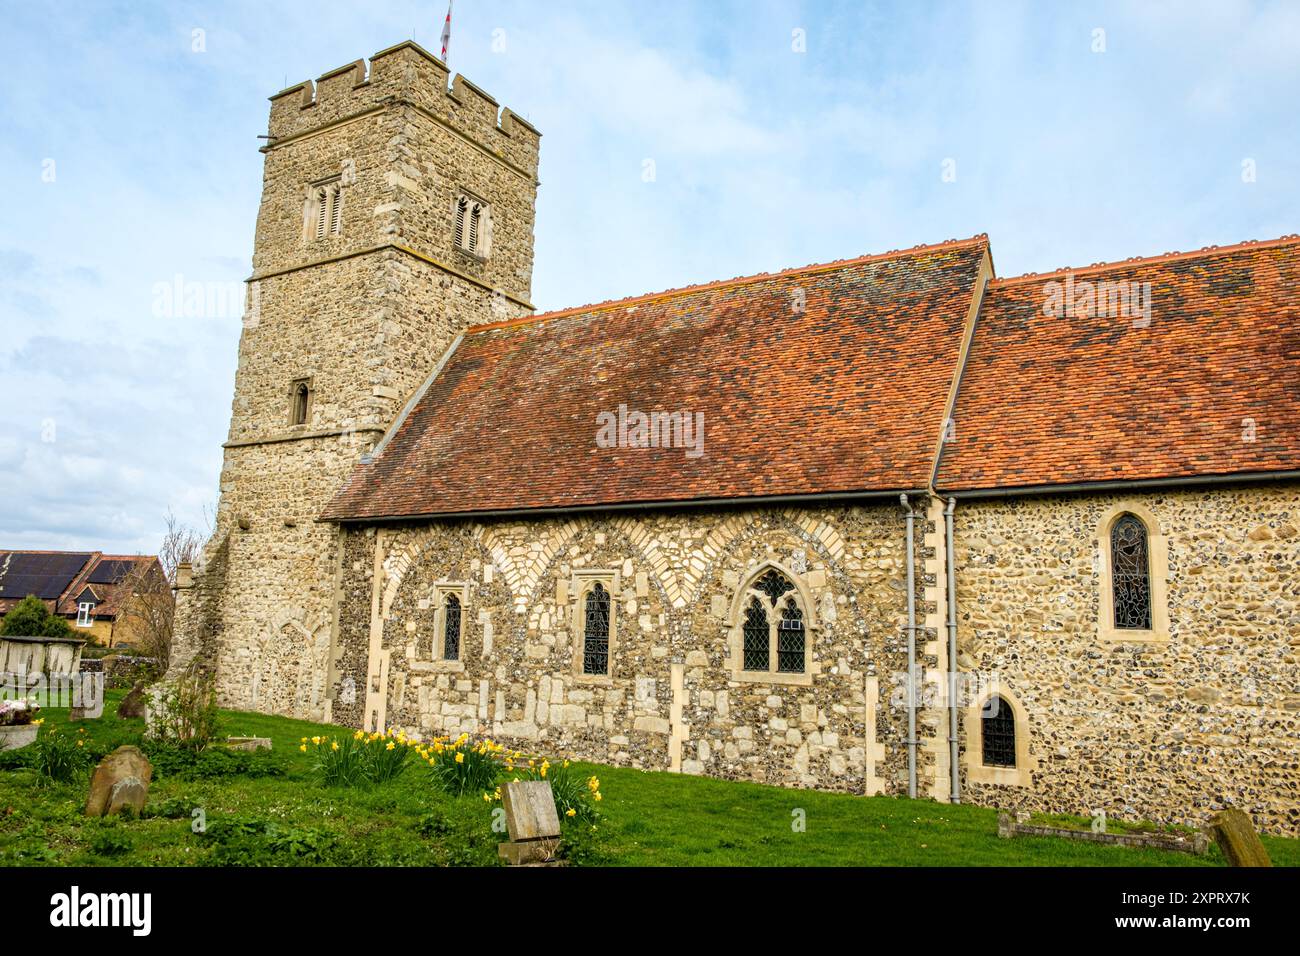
{"x":241,"y":803}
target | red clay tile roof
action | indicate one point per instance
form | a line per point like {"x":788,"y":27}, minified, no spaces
{"x":843,"y":396}
{"x":1046,"y":400}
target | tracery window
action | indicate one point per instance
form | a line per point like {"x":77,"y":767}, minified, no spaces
{"x":998,"y":733}
{"x":595,"y":632}
{"x":773,"y":628}
{"x":470,"y":228}
{"x":1130,"y":573}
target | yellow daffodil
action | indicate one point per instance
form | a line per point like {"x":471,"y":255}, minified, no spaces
{"x":334,"y":745}
{"x":571,"y":812}
{"x":597,"y":795}
{"x":460,"y":757}
{"x":390,"y":746}
{"x":303,"y":748}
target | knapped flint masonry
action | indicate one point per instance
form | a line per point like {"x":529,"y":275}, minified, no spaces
{"x":1103,"y":465}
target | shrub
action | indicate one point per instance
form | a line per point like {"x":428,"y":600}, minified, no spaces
{"x":59,"y":757}
{"x":31,"y":618}
{"x":458,"y":767}
{"x":184,"y":711}
{"x":251,"y":841}
{"x":387,"y":757}
{"x":111,"y":841}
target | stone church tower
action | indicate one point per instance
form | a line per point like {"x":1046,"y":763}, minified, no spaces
{"x":396,"y":210}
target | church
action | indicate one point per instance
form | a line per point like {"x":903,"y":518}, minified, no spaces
{"x":887,"y":525}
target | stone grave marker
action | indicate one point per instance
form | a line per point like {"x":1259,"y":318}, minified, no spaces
{"x":531,"y":821}
{"x":1237,"y":839}
{"x":120,"y":781}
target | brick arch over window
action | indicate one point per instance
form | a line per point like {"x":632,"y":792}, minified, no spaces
{"x":1123,"y":526}
{"x":773,"y":600}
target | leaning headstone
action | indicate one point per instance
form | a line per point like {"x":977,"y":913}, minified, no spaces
{"x":1237,"y":839}
{"x":531,"y":821}
{"x":132,"y":704}
{"x":120,"y":781}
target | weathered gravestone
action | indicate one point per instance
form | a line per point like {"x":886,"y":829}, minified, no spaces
{"x":1237,"y":839}
{"x":248,"y":743}
{"x":120,"y":781}
{"x":532,"y":822}
{"x":132,"y":704}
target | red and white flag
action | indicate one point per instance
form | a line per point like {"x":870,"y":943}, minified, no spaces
{"x":446,"y":32}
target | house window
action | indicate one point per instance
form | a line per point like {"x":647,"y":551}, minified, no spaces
{"x":998,"y":733}
{"x":471,"y":225}
{"x":773,"y":629}
{"x":1130,"y":574}
{"x":451,"y":628}
{"x":595,"y":633}
{"x":299,"y":401}
{"x":325,"y":209}
{"x":84,"y":610}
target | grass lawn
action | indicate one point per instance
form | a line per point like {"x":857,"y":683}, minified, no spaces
{"x":273,"y":812}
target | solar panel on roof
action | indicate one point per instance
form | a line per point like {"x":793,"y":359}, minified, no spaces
{"x":45,"y":575}
{"x":111,"y":572}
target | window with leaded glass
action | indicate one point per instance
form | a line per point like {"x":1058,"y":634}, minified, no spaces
{"x":451,"y":628}
{"x":998,"y":733}
{"x":1130,"y":571}
{"x":790,"y":639}
{"x":595,"y":635}
{"x":756,"y":636}
{"x":773,"y":628}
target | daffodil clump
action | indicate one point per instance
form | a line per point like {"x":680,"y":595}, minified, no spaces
{"x":59,"y":757}
{"x":360,"y":758}
{"x":458,"y":766}
{"x":575,"y":798}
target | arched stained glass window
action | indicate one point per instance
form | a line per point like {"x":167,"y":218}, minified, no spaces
{"x":1130,"y":571}
{"x":595,"y":637}
{"x":790,"y":639}
{"x":756,"y":636}
{"x":998,"y":733}
{"x":451,"y":629}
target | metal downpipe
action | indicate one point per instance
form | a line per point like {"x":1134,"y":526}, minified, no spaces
{"x":950,"y":567}
{"x":911,"y":648}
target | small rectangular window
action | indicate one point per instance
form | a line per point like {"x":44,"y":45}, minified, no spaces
{"x":299,"y":401}
{"x":84,"y":610}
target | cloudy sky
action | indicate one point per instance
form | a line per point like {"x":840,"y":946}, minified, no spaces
{"x":781,"y":133}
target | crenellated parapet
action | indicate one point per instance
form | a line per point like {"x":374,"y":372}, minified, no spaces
{"x":405,"y":73}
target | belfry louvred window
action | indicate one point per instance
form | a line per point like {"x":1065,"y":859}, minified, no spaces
{"x":595,"y":631}
{"x":1130,"y":573}
{"x":773,"y":627}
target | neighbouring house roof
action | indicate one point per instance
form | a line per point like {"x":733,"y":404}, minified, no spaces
{"x":46,"y":574}
{"x":821,"y":380}
{"x":1210,"y":386}
{"x":63,"y":578}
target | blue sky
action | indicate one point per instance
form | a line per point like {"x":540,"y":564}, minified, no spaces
{"x":131,"y":158}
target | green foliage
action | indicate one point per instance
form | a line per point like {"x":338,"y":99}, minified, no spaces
{"x":458,"y":767}
{"x":576,"y":794}
{"x":111,"y":841}
{"x":338,"y":762}
{"x":584,"y":844}
{"x":185,"y":710}
{"x":31,"y":618}
{"x":170,"y":759}
{"x":358,"y":759}
{"x":242,"y":840}
{"x":59,"y":756}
